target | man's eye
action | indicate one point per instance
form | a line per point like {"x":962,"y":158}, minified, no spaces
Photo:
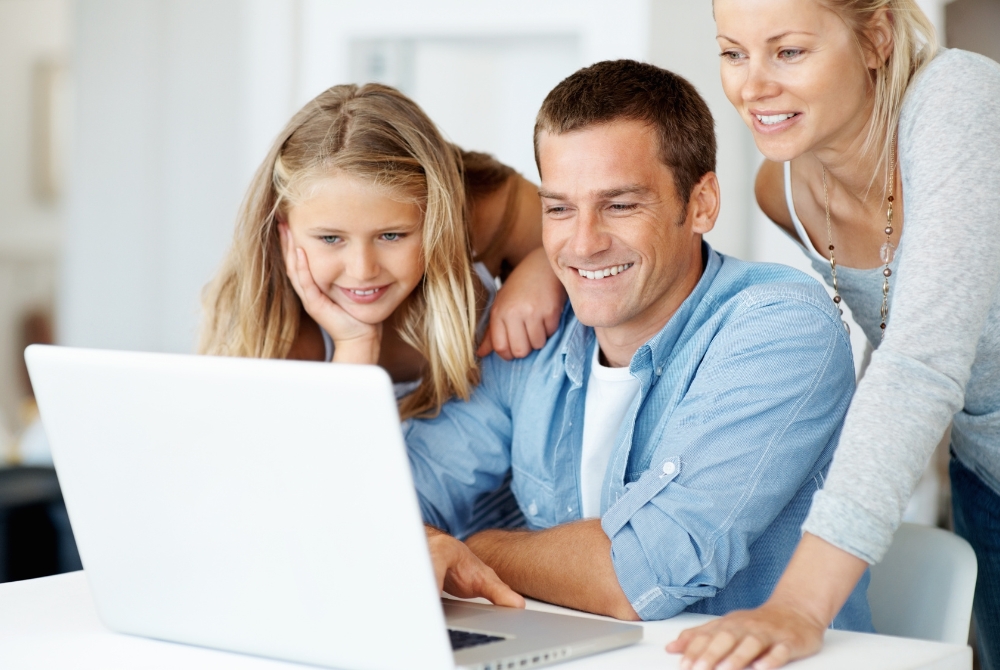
{"x":330,"y":239}
{"x":555,"y":210}
{"x":623,"y":207}
{"x":392,"y":237}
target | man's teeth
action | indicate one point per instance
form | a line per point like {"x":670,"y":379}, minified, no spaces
{"x":606,"y":272}
{"x":773,"y":118}
{"x":367,"y":292}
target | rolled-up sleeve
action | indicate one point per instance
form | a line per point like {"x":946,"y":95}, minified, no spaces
{"x":759,"y":420}
{"x":464,"y":452}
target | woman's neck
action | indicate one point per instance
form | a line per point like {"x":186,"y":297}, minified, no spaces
{"x":855,"y":170}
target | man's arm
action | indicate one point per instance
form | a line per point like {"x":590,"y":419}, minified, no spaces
{"x":567,"y":565}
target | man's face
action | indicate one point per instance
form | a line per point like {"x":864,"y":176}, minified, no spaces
{"x":613,"y":226}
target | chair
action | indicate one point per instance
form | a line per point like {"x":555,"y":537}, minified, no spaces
{"x":923,"y":588}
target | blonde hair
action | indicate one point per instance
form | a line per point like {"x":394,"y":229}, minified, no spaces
{"x":375,"y":133}
{"x":914,"y":44}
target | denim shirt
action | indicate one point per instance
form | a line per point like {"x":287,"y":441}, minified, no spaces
{"x":742,"y":394}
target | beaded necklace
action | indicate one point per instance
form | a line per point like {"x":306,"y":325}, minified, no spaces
{"x":887,"y":252}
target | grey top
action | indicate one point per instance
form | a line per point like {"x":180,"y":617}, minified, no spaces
{"x":940,"y":359}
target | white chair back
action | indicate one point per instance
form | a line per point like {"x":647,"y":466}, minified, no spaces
{"x":923,"y":588}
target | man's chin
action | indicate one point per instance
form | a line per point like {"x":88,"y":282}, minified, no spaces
{"x":598,"y":316}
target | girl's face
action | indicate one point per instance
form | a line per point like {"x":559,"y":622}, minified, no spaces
{"x":793,"y":70}
{"x":364,"y":248}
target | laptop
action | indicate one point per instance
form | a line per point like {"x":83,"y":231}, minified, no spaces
{"x":267,"y":507}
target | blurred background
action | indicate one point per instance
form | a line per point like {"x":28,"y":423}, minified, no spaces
{"x":129,"y":130}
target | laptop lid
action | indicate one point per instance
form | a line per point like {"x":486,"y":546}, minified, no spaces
{"x":251,"y":505}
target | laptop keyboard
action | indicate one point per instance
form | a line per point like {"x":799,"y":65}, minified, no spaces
{"x":463,"y":639}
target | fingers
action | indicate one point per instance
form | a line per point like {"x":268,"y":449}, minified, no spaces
{"x":779,"y":655}
{"x":743,"y":655}
{"x":497,"y":592}
{"x":498,"y":337}
{"x":486,"y":346}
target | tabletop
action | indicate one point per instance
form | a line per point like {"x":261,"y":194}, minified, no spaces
{"x":52,"y":623}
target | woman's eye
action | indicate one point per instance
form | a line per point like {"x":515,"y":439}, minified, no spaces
{"x":731,"y":55}
{"x":789,"y":53}
{"x":330,"y":239}
{"x":391,"y":237}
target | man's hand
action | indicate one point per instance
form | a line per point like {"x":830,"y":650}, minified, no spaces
{"x":767,"y":637}
{"x":461,"y":574}
{"x":526,"y":310}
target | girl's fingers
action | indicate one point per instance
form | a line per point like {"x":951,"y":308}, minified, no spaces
{"x":536,"y":334}
{"x":498,"y":336}
{"x":519,"y":342}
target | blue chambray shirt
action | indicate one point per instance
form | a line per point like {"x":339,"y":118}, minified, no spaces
{"x":742,"y":396}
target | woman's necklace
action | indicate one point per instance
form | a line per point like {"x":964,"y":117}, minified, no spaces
{"x":887,"y":252}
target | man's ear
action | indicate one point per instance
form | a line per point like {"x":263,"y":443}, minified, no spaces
{"x":703,"y":205}
{"x":879,"y":34}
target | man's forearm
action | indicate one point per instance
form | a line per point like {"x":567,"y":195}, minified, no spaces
{"x":568,"y":565}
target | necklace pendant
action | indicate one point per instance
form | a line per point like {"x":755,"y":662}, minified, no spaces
{"x":887,"y":252}
{"x":846,"y":327}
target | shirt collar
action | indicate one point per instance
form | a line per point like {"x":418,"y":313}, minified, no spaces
{"x":578,"y":338}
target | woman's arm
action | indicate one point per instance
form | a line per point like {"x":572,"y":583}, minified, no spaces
{"x":528,"y":306}
{"x":947,"y":281}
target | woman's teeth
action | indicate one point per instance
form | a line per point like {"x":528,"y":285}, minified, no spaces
{"x":365,"y":292}
{"x":773,"y":118}
{"x":606,"y":272}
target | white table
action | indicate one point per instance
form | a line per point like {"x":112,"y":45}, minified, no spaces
{"x":52,"y":623}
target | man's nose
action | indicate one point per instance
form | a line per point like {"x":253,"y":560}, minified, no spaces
{"x":589,"y":237}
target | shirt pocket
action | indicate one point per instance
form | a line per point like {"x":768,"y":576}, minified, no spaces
{"x":640,"y":492}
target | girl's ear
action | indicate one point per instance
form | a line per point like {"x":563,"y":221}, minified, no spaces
{"x":879,"y":33}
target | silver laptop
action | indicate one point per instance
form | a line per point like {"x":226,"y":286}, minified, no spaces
{"x":266,"y":507}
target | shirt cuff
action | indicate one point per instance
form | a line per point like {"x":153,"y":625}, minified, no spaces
{"x":849,"y":526}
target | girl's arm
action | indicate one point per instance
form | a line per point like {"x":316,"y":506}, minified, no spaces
{"x":527,"y":308}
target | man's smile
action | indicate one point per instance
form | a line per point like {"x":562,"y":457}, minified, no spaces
{"x":601,"y":273}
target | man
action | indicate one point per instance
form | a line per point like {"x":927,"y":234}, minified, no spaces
{"x":666,"y":442}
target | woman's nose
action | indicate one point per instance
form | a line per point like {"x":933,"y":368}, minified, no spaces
{"x":759,"y":83}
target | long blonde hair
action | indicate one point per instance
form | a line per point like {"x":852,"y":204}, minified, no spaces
{"x":914,"y":44}
{"x":375,"y":133}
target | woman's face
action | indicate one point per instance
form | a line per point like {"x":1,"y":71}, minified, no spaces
{"x":364,"y":248}
{"x":793,"y":70}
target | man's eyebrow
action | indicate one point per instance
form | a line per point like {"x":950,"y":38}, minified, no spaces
{"x":607,"y":194}
{"x":631,"y":189}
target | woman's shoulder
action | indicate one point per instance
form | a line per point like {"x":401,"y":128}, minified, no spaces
{"x":953,"y":74}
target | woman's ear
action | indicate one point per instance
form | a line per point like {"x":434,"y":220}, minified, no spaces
{"x":879,"y":33}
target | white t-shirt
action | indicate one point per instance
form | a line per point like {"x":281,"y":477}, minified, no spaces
{"x":610,"y":392}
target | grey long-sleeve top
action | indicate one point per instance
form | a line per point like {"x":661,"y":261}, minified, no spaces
{"x":940,"y":359}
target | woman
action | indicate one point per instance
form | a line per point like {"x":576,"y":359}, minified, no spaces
{"x":355,"y":244}
{"x":883,"y":160}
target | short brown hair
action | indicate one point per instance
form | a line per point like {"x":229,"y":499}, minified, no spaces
{"x":626,"y":90}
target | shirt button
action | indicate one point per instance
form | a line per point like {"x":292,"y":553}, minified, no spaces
{"x":669,"y":468}
{"x":532,"y":509}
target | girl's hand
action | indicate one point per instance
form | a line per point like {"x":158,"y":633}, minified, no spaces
{"x":526,"y":310}
{"x":354,"y":341}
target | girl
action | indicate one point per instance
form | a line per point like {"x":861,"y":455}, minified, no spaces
{"x":883,"y":162}
{"x":355,"y":244}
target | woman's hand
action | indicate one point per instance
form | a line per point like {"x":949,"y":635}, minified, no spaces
{"x":767,"y":637}
{"x":526,"y":310}
{"x":460,"y":573}
{"x":790,"y":625}
{"x":354,"y":341}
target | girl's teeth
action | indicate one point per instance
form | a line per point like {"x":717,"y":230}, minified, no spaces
{"x":606,"y":272}
{"x":773,"y":118}
{"x":368,"y":292}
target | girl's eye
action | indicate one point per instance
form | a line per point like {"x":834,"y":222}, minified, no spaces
{"x":330,"y":239}
{"x":391,"y":237}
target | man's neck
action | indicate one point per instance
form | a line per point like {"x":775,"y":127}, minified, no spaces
{"x":619,"y":343}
